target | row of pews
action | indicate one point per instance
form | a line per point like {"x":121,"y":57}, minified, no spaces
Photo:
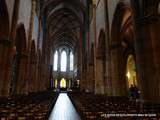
{"x":102,"y":107}
{"x":35,"y":106}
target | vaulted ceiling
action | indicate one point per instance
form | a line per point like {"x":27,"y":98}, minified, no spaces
{"x":64,"y":21}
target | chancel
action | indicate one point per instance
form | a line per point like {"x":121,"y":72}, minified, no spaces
{"x":79,"y":60}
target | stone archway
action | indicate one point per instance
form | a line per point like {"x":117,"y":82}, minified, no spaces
{"x":65,"y":25}
{"x":131,"y":73}
{"x":122,"y":43}
{"x":100,"y":64}
{"x":19,"y":63}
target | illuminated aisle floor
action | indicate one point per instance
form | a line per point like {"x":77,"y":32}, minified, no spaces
{"x":64,"y":109}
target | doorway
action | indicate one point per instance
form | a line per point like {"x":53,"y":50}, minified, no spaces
{"x":63,"y":84}
{"x":131,"y":74}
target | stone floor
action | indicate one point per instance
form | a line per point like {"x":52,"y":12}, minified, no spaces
{"x":64,"y":109}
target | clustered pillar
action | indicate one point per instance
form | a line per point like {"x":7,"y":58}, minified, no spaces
{"x":147,"y":47}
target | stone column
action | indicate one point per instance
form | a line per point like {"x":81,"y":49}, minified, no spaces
{"x":37,"y":83}
{"x":95,"y":44}
{"x":99,"y":76}
{"x":6,"y":67}
{"x":33,"y":7}
{"x":80,"y":63}
{"x":147,"y":48}
{"x":15,"y":71}
{"x":147,"y":59}
{"x":21,"y":75}
{"x":117,"y":75}
{"x":2,"y":65}
{"x":7,"y":54}
{"x":108,"y":88}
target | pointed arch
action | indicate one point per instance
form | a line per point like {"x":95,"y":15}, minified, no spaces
{"x":122,"y":24}
{"x":19,"y":63}
{"x":131,"y":71}
{"x":20,"y":41}
{"x":63,"y":83}
{"x":122,"y":41}
{"x":100,"y":63}
{"x":101,"y":45}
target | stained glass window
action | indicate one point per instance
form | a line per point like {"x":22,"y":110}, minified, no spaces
{"x":71,"y":61}
{"x":56,"y":61}
{"x":63,"y":61}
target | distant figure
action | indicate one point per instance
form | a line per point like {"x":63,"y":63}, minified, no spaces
{"x":134,"y":92}
{"x":131,"y":92}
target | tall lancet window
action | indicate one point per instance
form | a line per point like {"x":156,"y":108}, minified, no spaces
{"x":55,"y":61}
{"x":63,"y":61}
{"x":71,"y":61}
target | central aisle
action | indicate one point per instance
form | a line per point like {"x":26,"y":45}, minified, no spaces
{"x":64,"y":109}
